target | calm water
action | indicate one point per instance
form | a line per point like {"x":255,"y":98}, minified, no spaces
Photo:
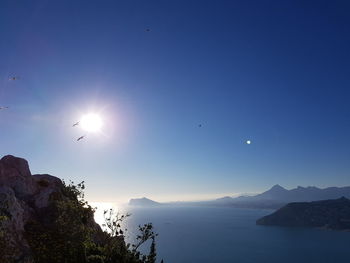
{"x":202,"y":234}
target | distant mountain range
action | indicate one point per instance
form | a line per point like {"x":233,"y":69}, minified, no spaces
{"x":273,"y":198}
{"x":278,"y":196}
{"x":330,"y":214}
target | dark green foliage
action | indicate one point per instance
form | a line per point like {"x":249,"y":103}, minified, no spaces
{"x":146,"y":233}
{"x":113,"y":222}
{"x":95,"y":259}
{"x":62,"y":233}
{"x":66,"y":233}
{"x":113,"y":250}
{"x":152,"y":256}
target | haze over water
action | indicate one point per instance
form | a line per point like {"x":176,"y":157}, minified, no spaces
{"x":229,"y":235}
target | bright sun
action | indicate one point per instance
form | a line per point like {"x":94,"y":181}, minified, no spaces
{"x":91,"y":122}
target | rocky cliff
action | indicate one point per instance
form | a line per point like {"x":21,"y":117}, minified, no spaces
{"x":26,"y":199}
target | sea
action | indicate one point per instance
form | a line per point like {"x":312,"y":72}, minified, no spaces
{"x":225,"y":234}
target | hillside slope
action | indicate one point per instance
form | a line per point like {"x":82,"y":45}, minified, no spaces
{"x":332,"y":214}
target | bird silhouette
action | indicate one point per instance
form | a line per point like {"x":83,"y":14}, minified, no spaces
{"x":75,"y":124}
{"x":3,"y":107}
{"x":14,"y":78}
{"x":200,"y":125}
{"x":80,"y":138}
{"x":148,"y":30}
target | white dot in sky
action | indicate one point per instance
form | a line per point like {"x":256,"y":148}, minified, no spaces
{"x":248,"y":142}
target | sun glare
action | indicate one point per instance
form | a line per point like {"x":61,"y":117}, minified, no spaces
{"x":91,"y":122}
{"x":100,"y":208}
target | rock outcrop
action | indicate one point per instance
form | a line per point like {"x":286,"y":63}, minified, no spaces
{"x":26,"y":198}
{"x":330,"y":214}
{"x":143,"y":202}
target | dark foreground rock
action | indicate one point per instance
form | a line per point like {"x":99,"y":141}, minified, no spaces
{"x":330,"y":214}
{"x":27,"y":200}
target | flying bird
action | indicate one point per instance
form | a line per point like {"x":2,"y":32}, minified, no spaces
{"x":148,"y":30}
{"x":3,"y":107}
{"x":80,"y":138}
{"x":14,"y":78}
{"x":200,"y":125}
{"x":75,"y":124}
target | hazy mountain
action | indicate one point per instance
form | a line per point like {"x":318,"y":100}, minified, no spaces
{"x":224,"y":200}
{"x":276,"y":192}
{"x":143,"y":202}
{"x":278,"y":196}
{"x":331,"y":214}
{"x":275,"y":197}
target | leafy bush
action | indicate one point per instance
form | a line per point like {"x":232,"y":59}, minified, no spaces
{"x":95,"y":259}
{"x":65,"y":232}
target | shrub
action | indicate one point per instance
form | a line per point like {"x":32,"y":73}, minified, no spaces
{"x":66,"y":232}
{"x":95,"y":259}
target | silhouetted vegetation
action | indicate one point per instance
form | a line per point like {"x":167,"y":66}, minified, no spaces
{"x":65,"y":232}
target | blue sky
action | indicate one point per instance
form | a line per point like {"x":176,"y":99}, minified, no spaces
{"x":274,"y":72}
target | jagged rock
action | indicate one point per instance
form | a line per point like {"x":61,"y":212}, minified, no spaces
{"x":15,"y":210}
{"x":46,"y":185}
{"x":15,"y":173}
{"x":26,"y":198}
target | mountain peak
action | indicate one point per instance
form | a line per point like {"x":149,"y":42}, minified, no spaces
{"x":343,"y":198}
{"x":15,"y":165}
{"x":224,"y":199}
{"x":143,"y":202}
{"x":277,"y":187}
